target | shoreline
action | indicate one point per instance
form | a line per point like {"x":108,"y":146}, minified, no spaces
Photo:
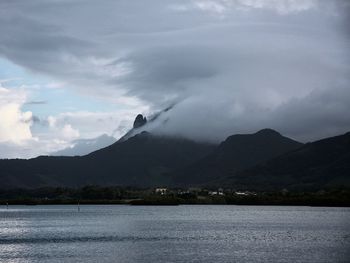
{"x":143,"y":203}
{"x":96,"y":195}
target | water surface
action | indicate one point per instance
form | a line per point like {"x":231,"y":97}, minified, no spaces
{"x":118,"y":233}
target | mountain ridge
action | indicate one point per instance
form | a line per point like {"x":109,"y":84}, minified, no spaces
{"x":143,"y":160}
{"x":260,"y":160}
{"x":236,"y":153}
{"x":324,"y":162}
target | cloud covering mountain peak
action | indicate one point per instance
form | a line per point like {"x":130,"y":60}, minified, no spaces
{"x":228,"y":66}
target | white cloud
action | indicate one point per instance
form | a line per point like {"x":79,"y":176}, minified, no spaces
{"x":18,"y":139}
{"x":220,"y":7}
{"x":69,"y":133}
{"x":52,"y":121}
{"x":14,"y":123}
{"x":211,"y":6}
{"x":281,"y":6}
{"x":22,"y":137}
{"x":93,"y":124}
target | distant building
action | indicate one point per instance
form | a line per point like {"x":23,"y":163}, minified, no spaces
{"x":244,"y":193}
{"x":220,"y":191}
{"x":241,"y":193}
{"x":161,"y":191}
{"x":182,"y":192}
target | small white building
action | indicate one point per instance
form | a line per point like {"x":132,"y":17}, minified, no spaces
{"x":241,"y":193}
{"x":244,"y":193}
{"x":161,"y":191}
{"x":220,"y":191}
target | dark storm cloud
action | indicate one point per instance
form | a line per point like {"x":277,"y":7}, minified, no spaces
{"x":310,"y":114}
{"x":230,"y":66}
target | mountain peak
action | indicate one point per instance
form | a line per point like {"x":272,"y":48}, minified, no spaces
{"x":268,"y":131}
{"x":139,"y":121}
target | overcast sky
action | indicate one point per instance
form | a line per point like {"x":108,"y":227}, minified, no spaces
{"x":78,"y":69}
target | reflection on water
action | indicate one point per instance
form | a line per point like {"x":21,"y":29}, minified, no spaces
{"x":174,"y":234}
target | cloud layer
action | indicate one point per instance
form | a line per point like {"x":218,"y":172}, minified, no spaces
{"x":229,"y":66}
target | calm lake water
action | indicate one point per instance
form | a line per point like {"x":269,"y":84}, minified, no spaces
{"x":107,"y":233}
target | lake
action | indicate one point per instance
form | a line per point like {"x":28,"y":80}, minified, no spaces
{"x":121,"y":233}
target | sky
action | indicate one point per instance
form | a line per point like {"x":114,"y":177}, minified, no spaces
{"x":75,"y":69}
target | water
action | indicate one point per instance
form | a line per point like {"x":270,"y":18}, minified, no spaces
{"x":174,"y":234}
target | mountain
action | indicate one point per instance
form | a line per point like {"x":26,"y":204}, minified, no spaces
{"x":85,"y":146}
{"x":321,"y":164}
{"x":265,"y":160}
{"x":139,"y":122}
{"x":143,"y":160}
{"x":236,"y":153}
{"x":146,"y":159}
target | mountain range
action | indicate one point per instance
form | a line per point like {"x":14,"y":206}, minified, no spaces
{"x":238,"y":152}
{"x":324,"y":163}
{"x":264,"y":160}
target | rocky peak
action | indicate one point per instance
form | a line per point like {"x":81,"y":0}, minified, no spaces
{"x":139,"y":121}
